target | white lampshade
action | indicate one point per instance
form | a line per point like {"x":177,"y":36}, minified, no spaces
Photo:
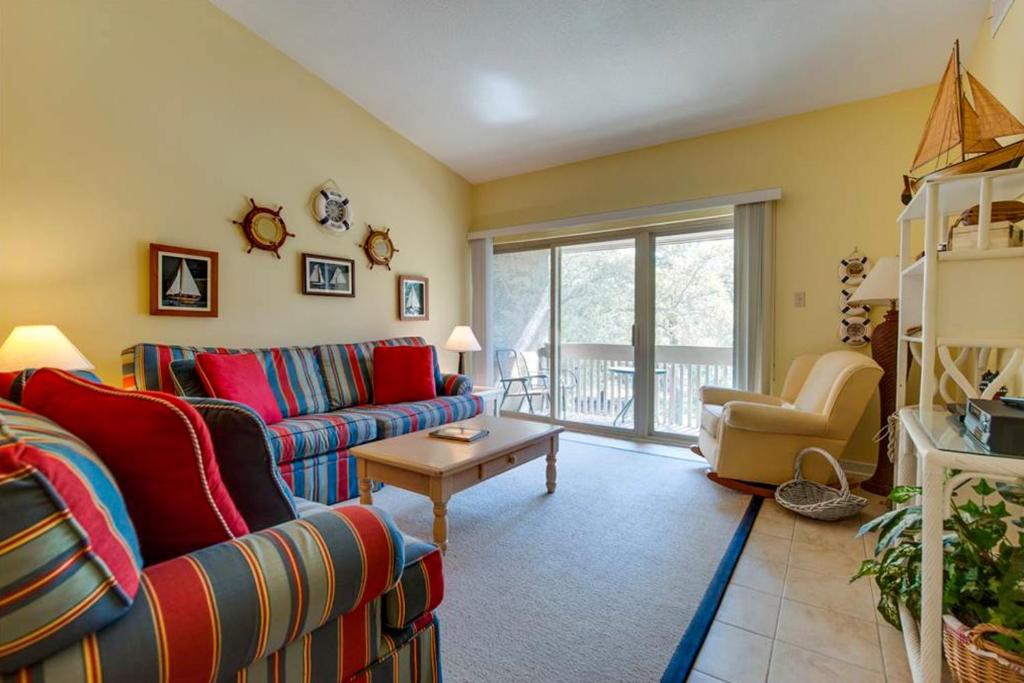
{"x":881,"y":285}
{"x":40,"y":346}
{"x":462,"y":339}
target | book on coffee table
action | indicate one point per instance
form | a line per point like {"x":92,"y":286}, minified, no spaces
{"x":457,"y":433}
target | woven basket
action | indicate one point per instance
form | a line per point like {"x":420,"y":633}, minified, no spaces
{"x":974,"y":659}
{"x":811,"y":499}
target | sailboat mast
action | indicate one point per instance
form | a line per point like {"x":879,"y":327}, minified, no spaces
{"x":959,"y":99}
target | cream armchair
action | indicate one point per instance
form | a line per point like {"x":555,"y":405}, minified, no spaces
{"x":750,"y":437}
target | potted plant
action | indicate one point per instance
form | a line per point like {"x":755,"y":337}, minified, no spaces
{"x":983,"y":572}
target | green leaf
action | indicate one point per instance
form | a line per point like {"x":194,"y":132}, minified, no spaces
{"x":891,"y":532}
{"x":901,"y":494}
{"x":867,"y":568}
{"x":883,"y":519}
{"x":983,"y":488}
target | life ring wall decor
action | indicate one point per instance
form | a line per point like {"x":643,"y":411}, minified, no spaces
{"x":379,"y":248}
{"x":332,"y":209}
{"x":264,"y":228}
{"x":846,"y":308}
{"x":853,"y":268}
{"x":855,"y":330}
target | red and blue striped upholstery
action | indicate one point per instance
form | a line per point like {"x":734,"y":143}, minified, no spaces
{"x":421,"y":587}
{"x":295,"y":438}
{"x":294,"y":373}
{"x":327,"y":478}
{"x":69,"y":556}
{"x":348,"y":369}
{"x":402,"y":418}
{"x":302,"y":597}
{"x":455,"y":385}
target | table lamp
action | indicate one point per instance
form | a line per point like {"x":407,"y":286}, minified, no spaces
{"x":882,"y":286}
{"x":462,"y":340}
{"x":40,"y":346}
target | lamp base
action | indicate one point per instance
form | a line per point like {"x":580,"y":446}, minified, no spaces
{"x":462,"y":362}
{"x":884,"y":343}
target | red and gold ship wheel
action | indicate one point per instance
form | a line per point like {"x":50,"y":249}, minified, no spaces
{"x":264,"y":228}
{"x":379,"y":248}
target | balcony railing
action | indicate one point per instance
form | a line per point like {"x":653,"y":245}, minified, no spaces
{"x":596,"y":390}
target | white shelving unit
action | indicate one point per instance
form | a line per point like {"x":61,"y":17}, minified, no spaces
{"x":969,"y":305}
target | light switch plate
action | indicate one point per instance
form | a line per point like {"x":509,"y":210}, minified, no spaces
{"x":799,"y":299}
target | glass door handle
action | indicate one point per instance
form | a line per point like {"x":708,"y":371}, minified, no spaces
{"x":632,"y":334}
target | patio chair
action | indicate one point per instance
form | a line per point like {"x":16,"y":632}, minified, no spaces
{"x":517,"y":381}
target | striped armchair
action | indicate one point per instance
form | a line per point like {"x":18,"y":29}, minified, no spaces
{"x":335,"y":596}
{"x":325,"y":394}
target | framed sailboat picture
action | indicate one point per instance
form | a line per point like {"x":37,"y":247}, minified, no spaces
{"x":413,"y":297}
{"x":328,"y":275}
{"x":182,"y":281}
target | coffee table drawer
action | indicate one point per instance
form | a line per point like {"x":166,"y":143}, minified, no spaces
{"x":504,"y":463}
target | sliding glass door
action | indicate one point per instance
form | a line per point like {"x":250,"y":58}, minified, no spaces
{"x":693,"y":324}
{"x":522,"y":325}
{"x":616,"y":335}
{"x":596,"y":316}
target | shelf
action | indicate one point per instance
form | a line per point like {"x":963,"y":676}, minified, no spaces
{"x":981,"y":254}
{"x":915,"y":269}
{"x":960,"y":193}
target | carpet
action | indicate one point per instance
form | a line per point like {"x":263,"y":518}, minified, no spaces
{"x":597,"y":582}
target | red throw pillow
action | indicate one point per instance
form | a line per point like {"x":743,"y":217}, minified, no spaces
{"x":158,"y":449}
{"x":403,"y":373}
{"x":239,"y":377}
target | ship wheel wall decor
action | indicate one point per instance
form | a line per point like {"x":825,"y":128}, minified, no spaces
{"x":379,"y":248}
{"x":264,"y":228}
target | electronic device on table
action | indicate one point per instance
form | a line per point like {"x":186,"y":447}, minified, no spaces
{"x":997,"y":424}
{"x":457,"y":433}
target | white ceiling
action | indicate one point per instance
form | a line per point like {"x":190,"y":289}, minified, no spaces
{"x":493,"y":88}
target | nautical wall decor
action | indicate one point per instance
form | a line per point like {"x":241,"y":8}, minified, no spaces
{"x":378,"y":247}
{"x":331,"y":208}
{"x":264,"y":228}
{"x":182,"y":281}
{"x":853,"y":268}
{"x":854,"y":325}
{"x":413,"y":297}
{"x":328,"y":275}
{"x":855,"y":330}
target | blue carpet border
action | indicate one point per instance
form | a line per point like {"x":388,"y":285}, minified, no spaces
{"x":685,"y":656}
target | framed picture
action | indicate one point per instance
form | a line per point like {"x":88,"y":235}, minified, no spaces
{"x":182,"y":281}
{"x":328,"y":275}
{"x":413,"y":298}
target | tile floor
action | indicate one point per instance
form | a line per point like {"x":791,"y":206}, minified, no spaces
{"x":791,"y":615}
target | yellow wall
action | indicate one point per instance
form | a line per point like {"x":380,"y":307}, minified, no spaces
{"x":839,"y":170}
{"x":125,"y":123}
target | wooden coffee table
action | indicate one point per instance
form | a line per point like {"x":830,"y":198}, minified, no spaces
{"x":439,"y":468}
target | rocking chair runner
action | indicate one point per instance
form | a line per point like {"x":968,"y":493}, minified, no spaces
{"x":517,"y":381}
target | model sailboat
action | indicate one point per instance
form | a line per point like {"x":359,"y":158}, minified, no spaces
{"x":955,"y":122}
{"x":183,"y":288}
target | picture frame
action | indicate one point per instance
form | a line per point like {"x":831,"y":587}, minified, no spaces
{"x":413,"y":297}
{"x":328,"y":276}
{"x":183,"y":281}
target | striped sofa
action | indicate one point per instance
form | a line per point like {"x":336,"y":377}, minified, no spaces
{"x":335,"y":594}
{"x":325,"y":394}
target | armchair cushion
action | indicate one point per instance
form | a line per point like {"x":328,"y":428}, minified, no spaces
{"x":719,"y":396}
{"x":69,"y":556}
{"x":159,"y":451}
{"x":758,"y":417}
{"x":455,"y":385}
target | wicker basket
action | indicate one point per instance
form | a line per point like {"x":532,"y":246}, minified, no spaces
{"x":974,"y":659}
{"x":811,"y":499}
